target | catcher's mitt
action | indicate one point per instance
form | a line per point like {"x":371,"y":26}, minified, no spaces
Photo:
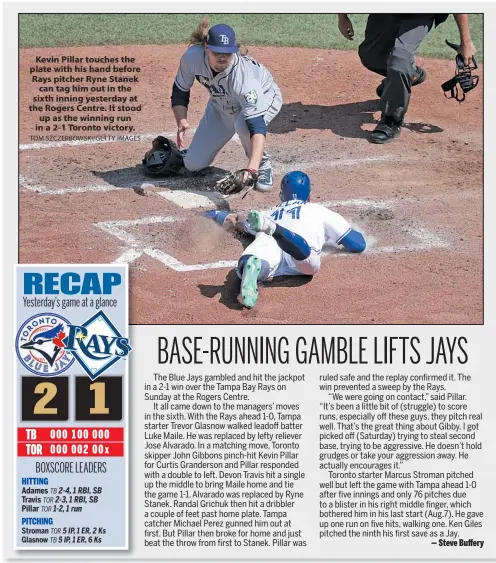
{"x":164,"y":159}
{"x":235,"y":182}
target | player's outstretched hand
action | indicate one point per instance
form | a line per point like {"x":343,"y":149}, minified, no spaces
{"x":182,"y":127}
{"x":345,"y":26}
{"x":235,"y":222}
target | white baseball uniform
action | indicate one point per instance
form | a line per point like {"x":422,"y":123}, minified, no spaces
{"x":245,"y":90}
{"x":315,"y":223}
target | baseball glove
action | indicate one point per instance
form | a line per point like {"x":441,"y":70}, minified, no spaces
{"x":163,"y":159}
{"x":235,"y":182}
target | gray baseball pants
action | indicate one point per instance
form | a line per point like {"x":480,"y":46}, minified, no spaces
{"x":216,"y":128}
{"x":389,"y":49}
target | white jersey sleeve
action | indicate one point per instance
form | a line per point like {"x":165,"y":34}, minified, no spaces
{"x":185,"y":76}
{"x":335,"y":225}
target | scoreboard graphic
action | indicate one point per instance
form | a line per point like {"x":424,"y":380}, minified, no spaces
{"x":72,"y":355}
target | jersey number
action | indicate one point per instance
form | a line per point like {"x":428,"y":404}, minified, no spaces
{"x":294,"y":212}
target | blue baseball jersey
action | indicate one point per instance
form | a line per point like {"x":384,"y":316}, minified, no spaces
{"x":245,"y":86}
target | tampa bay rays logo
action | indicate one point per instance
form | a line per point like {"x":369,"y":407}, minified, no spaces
{"x":203,"y":80}
{"x":224,"y":39}
{"x":216,"y":90}
{"x":40,"y":345}
{"x":96,"y":344}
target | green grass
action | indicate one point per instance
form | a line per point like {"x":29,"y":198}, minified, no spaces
{"x":305,"y":30}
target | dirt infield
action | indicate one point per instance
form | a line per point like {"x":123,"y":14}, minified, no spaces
{"x":419,"y":200}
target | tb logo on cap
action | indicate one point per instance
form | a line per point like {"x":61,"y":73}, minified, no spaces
{"x":221,"y":39}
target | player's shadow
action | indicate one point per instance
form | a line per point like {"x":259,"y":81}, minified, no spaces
{"x":230,"y":289}
{"x":288,"y":281}
{"x":344,"y":120}
{"x":133,"y":178}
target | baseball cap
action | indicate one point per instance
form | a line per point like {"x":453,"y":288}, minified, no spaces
{"x":221,"y":39}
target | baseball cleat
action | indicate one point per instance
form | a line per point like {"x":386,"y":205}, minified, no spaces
{"x":259,"y":223}
{"x":265,"y":179}
{"x":249,"y":282}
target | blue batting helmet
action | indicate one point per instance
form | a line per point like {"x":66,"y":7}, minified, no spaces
{"x":295,"y":185}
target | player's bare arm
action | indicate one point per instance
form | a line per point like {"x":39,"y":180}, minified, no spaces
{"x":257,"y":149}
{"x":345,"y":26}
{"x":467,"y":49}
{"x":181,"y":115}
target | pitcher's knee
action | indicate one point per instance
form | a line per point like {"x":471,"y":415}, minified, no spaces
{"x":194,"y":165}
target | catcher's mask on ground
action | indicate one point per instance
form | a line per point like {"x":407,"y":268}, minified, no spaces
{"x":295,"y":185}
{"x":164,"y":161}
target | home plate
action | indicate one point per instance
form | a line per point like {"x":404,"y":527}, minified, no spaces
{"x":192,"y":199}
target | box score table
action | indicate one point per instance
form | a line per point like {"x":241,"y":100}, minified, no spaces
{"x":71,"y":478}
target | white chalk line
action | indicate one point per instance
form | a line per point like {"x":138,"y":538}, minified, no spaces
{"x":137,"y":249}
{"x":128,"y":256}
{"x":32,"y":185}
{"x":361,"y":203}
{"x":425,"y":240}
{"x":325,"y":165}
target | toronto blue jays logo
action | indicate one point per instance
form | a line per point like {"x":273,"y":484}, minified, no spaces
{"x":40,"y":345}
{"x":47,"y":344}
{"x":96,"y":344}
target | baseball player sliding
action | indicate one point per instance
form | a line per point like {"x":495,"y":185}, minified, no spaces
{"x":243,"y":99}
{"x":288,"y":238}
